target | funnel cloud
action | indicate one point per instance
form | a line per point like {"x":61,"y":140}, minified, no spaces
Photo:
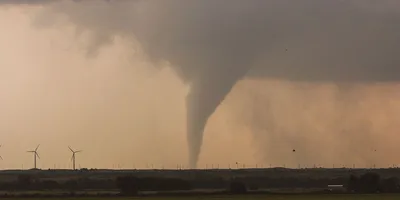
{"x":213,"y":44}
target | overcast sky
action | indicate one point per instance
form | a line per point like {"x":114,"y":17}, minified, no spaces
{"x":92,"y":79}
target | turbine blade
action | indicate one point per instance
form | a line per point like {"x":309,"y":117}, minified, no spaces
{"x":31,"y":151}
{"x":70,"y":149}
{"x":37,"y":147}
{"x":37,"y":155}
{"x":78,"y":151}
{"x":1,"y":158}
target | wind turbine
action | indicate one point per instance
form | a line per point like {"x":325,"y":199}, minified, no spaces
{"x":35,"y":154}
{"x":0,"y":156}
{"x":73,"y":156}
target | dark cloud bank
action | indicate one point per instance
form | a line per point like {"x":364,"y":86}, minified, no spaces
{"x":214,"y":43}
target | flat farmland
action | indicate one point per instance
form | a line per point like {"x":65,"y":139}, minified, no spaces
{"x":254,"y":197}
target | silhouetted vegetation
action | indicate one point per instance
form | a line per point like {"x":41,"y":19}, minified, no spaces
{"x":50,"y":185}
{"x":391,"y":185}
{"x":24,"y":182}
{"x":71,"y":185}
{"x":372,"y":183}
{"x":237,"y":187}
{"x":130,"y":183}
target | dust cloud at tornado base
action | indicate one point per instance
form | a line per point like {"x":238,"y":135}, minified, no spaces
{"x":214,"y":68}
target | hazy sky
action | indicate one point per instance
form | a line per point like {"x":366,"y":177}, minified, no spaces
{"x":115,"y":107}
{"x":121,"y":108}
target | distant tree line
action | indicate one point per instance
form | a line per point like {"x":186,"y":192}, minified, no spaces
{"x":373,"y":183}
{"x":131,"y":184}
{"x":27,"y":182}
{"x":127,"y":185}
{"x":30,"y":182}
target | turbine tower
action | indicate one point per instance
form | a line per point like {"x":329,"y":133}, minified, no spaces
{"x":73,"y":156}
{"x":35,"y":154}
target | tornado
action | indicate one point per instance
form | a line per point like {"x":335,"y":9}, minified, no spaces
{"x":213,"y":44}
{"x":205,"y":95}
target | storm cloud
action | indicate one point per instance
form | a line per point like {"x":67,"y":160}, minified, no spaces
{"x":212,"y":44}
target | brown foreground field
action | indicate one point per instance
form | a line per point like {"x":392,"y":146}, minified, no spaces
{"x":258,"y":197}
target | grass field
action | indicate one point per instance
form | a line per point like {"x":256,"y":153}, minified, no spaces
{"x":262,"y":197}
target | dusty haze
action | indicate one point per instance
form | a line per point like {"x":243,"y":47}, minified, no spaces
{"x":124,"y":102}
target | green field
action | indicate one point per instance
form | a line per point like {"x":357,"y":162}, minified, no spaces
{"x":266,"y":197}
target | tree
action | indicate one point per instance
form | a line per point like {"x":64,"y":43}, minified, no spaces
{"x":369,"y":183}
{"x":24,"y":181}
{"x":128,"y":185}
{"x":353,"y":184}
{"x":390,"y":185}
{"x":237,"y":187}
{"x":71,"y":185}
{"x":50,"y":185}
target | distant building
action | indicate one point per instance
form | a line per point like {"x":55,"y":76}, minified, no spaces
{"x":336,"y":188}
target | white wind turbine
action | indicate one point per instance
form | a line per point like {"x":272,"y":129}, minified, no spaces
{"x":73,"y":156}
{"x":35,"y":154}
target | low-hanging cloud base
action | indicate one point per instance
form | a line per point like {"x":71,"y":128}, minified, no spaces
{"x":212,"y":45}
